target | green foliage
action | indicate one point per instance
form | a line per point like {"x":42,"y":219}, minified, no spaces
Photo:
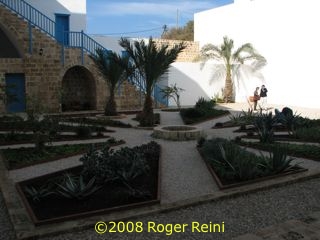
{"x":204,"y":105}
{"x":195,"y":115}
{"x":97,"y":122}
{"x":233,"y":163}
{"x":230,"y":161}
{"x":172,"y":92}
{"x":184,"y":33}
{"x":123,"y":165}
{"x":16,"y":158}
{"x":192,"y":113}
{"x":232,"y":60}
{"x":264,"y":124}
{"x":311,"y":134}
{"x":75,"y":187}
{"x":297,"y":150}
{"x":150,"y":61}
{"x":83,"y":131}
{"x":115,"y":69}
{"x":277,"y":161}
{"x":44,"y":131}
{"x":38,"y":193}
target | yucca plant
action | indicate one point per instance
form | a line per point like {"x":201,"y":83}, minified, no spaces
{"x":75,"y":187}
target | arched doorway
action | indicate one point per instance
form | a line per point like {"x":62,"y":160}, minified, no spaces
{"x":78,"y":90}
{"x":8,"y":44}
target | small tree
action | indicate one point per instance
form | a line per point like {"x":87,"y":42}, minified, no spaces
{"x":173,"y":92}
{"x":231,"y":62}
{"x":151,"y":61}
{"x":115,"y":69}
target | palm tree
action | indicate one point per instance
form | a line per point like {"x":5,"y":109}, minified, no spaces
{"x":115,"y":69}
{"x":231,"y":62}
{"x":151,"y":62}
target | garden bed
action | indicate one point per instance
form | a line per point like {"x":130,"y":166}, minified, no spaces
{"x":194,"y":116}
{"x":23,"y":157}
{"x":126,"y":190}
{"x":297,"y":150}
{"x":23,"y":138}
{"x":232,"y":166}
{"x":100,"y":121}
{"x":281,"y":137}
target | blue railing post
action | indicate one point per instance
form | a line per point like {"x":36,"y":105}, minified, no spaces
{"x":30,"y":37}
{"x":62,"y":50}
{"x":82,"y":60}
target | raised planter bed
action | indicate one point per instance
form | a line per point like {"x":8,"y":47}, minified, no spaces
{"x":224,"y":185}
{"x":28,"y":138}
{"x":24,"y":157}
{"x":233,"y":169}
{"x":111,"y":197}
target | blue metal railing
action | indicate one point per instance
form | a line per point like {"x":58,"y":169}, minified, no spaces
{"x":47,"y":25}
{"x":81,"y":40}
{"x":32,"y":15}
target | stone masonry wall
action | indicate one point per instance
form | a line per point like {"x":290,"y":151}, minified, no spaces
{"x":188,"y":54}
{"x":43,"y":73}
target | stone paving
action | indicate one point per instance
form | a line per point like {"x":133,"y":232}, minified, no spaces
{"x":185,"y":179}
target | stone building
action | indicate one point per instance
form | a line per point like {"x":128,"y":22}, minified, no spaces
{"x":45,"y":59}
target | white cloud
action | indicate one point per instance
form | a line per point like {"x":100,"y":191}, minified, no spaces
{"x":155,"y":9}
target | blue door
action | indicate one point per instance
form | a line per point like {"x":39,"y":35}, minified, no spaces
{"x":61,"y":28}
{"x":16,"y":93}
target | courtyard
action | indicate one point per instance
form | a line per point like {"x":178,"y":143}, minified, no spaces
{"x":188,"y":192}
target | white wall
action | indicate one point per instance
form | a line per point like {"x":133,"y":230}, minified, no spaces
{"x":76,"y":9}
{"x":193,"y":80}
{"x":284,"y":32}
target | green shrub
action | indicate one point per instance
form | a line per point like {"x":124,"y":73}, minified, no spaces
{"x":192,"y":113}
{"x":308,"y":134}
{"x":204,"y":104}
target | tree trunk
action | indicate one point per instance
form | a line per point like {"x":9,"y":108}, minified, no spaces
{"x":228,"y":89}
{"x":111,"y":106}
{"x":147,"y":114}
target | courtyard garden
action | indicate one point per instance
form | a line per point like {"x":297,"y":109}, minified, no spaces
{"x":117,"y":166}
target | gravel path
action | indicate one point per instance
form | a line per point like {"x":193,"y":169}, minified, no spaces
{"x":240,"y":215}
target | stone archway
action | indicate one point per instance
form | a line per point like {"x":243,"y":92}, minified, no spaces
{"x":9,"y":47}
{"x":78,"y":90}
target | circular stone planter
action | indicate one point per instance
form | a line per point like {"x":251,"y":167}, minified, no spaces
{"x":177,"y":132}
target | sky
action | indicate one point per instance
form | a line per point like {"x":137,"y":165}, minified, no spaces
{"x":138,"y":18}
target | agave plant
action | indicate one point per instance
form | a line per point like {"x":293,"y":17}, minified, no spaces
{"x":264,"y":124}
{"x":37,"y":193}
{"x":75,"y":187}
{"x":277,"y":161}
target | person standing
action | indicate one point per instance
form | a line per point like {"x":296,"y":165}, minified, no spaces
{"x":263,"y":97}
{"x":256,"y":98}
